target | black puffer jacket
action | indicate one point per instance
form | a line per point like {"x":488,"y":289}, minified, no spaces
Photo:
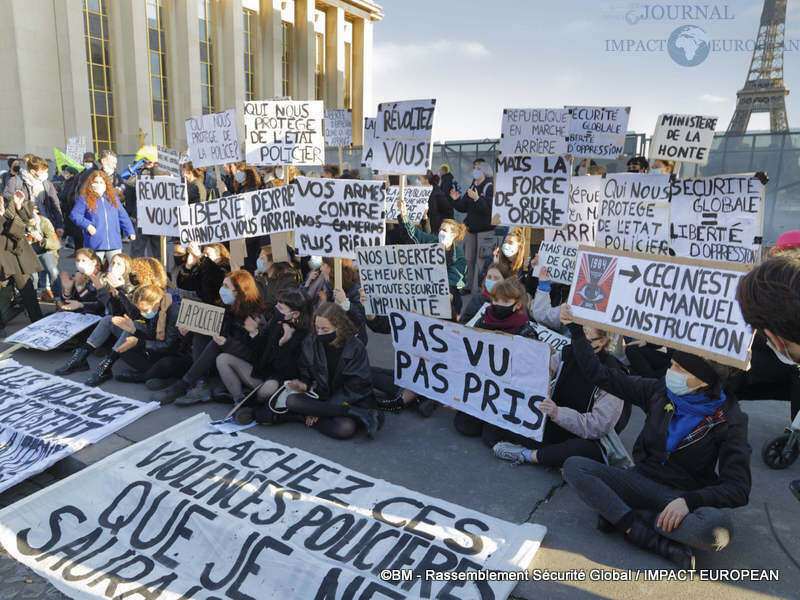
{"x":352,"y":379}
{"x":714,"y":470}
{"x":273,"y":361}
{"x":146,"y":331}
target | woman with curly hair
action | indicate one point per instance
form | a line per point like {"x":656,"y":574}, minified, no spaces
{"x":99,"y":212}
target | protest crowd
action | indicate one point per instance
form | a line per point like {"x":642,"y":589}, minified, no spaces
{"x":275,"y":320}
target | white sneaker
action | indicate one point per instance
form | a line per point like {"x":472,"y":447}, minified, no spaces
{"x":510,"y":452}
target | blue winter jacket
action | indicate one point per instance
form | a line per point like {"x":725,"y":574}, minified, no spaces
{"x":107,"y":219}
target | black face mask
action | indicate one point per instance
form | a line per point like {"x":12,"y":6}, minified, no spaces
{"x":15,"y":169}
{"x":502,"y":312}
{"x":326,"y":338}
{"x":133,"y":279}
{"x":179,"y":260}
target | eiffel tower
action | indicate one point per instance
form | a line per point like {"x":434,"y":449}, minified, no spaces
{"x":764,"y":90}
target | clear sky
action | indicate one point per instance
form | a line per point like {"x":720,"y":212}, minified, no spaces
{"x":478,"y":57}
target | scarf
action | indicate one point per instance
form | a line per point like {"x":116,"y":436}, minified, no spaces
{"x":690,"y":410}
{"x":37,"y":187}
{"x":512,"y":324}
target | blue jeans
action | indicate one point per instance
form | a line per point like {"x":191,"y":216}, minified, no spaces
{"x":50,"y":264}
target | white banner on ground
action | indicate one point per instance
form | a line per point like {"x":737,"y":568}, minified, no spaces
{"x":532,"y":191}
{"x":339,"y":127}
{"x":556,"y":340}
{"x":416,"y":197}
{"x":684,"y":138}
{"x":213,"y":139}
{"x":335,"y":217}
{"x":76,"y":148}
{"x":191,"y":513}
{"x":370,"y":144}
{"x":200,"y":317}
{"x":718,"y":218}
{"x":559,"y":259}
{"x":634,"y":213}
{"x":585,"y":197}
{"x":158,"y":202}
{"x":284,"y":132}
{"x":44,"y":418}
{"x":252,"y":214}
{"x":169,"y":160}
{"x":52,"y":331}
{"x":405,"y":277}
{"x":473,"y":370}
{"x":677,"y":302}
{"x":598,"y":131}
{"x":403,"y":137}
{"x":525,"y":131}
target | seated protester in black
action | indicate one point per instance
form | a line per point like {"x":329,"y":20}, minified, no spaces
{"x":272,"y":277}
{"x":334,"y":387}
{"x":276,"y":347}
{"x":203,"y":275}
{"x":143,"y":341}
{"x":77,"y":292}
{"x":692,"y":457}
{"x":495,"y":273}
{"x":578,"y":413}
{"x":348,"y":296}
{"x":242,"y":300}
{"x":114,"y":287}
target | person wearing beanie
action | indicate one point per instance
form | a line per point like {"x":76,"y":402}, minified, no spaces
{"x":692,"y":457}
{"x":787,"y":241}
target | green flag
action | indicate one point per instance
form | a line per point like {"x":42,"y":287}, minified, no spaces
{"x":62,"y":159}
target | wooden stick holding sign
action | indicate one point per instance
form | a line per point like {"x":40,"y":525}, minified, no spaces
{"x":9,"y":351}
{"x":337,"y":262}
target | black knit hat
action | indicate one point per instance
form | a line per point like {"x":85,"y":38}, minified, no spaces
{"x":697,"y":366}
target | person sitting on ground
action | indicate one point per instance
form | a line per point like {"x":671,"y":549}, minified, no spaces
{"x":692,"y":457}
{"x":204,"y":273}
{"x":272,"y":277}
{"x":77,"y":292}
{"x":347,"y":295}
{"x":542,"y":307}
{"x":496,"y":273}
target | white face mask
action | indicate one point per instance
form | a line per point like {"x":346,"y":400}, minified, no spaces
{"x":117,"y":269}
{"x":43,"y":176}
{"x":477,"y":174}
{"x":212,"y":256}
{"x":444,"y":238}
{"x":85,"y":267}
{"x":676,"y":383}
{"x":240,"y":177}
{"x":581,"y":170}
{"x":99,"y":188}
{"x":509,"y":250}
{"x":109,"y":170}
{"x":781,"y":356}
{"x":88,"y":165}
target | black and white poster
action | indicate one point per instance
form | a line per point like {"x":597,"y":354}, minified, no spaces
{"x":53,"y":330}
{"x":284,"y":132}
{"x":404,"y":137}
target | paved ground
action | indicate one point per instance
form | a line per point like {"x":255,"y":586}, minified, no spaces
{"x":430,"y":457}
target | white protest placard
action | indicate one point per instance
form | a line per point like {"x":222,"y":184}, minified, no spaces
{"x":403,"y":137}
{"x":339,"y":127}
{"x":158,"y":202}
{"x":405,"y":277}
{"x":598,"y":131}
{"x":473,"y":370}
{"x":52,"y":331}
{"x":559,"y":259}
{"x":682,"y":303}
{"x":401,"y":157}
{"x":718,"y":218}
{"x":284,"y":132}
{"x":585,"y":197}
{"x":194,"y":513}
{"x":76,"y":148}
{"x":634,"y":213}
{"x":685,"y":138}
{"x":213,"y":139}
{"x":555,"y":340}
{"x":335,"y":217}
{"x":252,"y":214}
{"x":525,"y":131}
{"x":532,"y":191}
{"x":369,"y":143}
{"x":200,"y":317}
{"x":169,"y":160}
{"x":44,"y":418}
{"x":416,"y":197}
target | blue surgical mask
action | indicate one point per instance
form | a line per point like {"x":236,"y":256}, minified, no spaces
{"x":149,"y":314}
{"x":655,"y":171}
{"x":227,"y":295}
{"x":676,"y":383}
{"x":477,"y":174}
{"x":315,"y":262}
{"x":489,"y":284}
{"x":240,"y":177}
{"x":260,"y":266}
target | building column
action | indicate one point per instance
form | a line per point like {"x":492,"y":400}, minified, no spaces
{"x":229,"y":59}
{"x":334,"y":58}
{"x":73,"y":80}
{"x":269,"y":49}
{"x":182,"y":40}
{"x":130,"y":74}
{"x":305,"y":50}
{"x":362,"y":77}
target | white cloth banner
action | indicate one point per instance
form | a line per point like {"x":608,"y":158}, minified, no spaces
{"x":44,"y":418}
{"x":52,"y":331}
{"x":473,"y":370}
{"x":158,"y":202}
{"x":194,"y":513}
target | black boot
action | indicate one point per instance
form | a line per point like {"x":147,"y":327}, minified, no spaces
{"x":264,"y":415}
{"x":426,"y":406}
{"x":103,"y":371}
{"x":392,"y":405}
{"x":176,"y":390}
{"x":604,"y":525}
{"x":131,"y":376}
{"x":76,"y":362}
{"x":644,"y":536}
{"x":30,"y":302}
{"x":368,"y":417}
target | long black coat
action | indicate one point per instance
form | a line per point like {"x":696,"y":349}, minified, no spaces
{"x":17,"y":257}
{"x":352,"y":378}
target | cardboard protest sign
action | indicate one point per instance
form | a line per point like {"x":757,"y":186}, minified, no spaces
{"x":252,"y":214}
{"x":158,"y":201}
{"x":403,"y":137}
{"x":194,"y":513}
{"x":200,"y":317}
{"x":406,"y":277}
{"x":44,"y":418}
{"x":76,"y":148}
{"x":559,"y":259}
{"x":339,"y":127}
{"x":634,"y":213}
{"x":284,"y":132}
{"x":718,"y":218}
{"x":335,"y":217}
{"x":678,"y":302}
{"x":52,"y":331}
{"x":401,"y":157}
{"x":525,"y":131}
{"x":369,"y":143}
{"x":685,"y":138}
{"x":416,"y":197}
{"x":169,"y":160}
{"x":532,"y":190}
{"x":598,"y":131}
{"x":554,"y":339}
{"x":213,"y":139}
{"x":473,"y":370}
{"x":585,"y":197}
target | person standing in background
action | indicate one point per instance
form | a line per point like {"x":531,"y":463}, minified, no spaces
{"x":477,"y":203}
